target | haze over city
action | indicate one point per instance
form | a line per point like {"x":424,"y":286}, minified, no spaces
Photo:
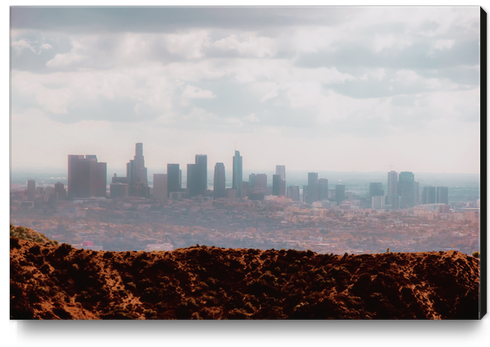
{"x":314,"y":89}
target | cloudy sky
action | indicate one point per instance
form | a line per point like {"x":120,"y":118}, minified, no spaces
{"x":312,"y":88}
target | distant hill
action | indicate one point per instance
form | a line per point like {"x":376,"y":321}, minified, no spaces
{"x":49,"y":281}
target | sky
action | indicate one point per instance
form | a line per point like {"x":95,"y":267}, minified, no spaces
{"x":313,"y":88}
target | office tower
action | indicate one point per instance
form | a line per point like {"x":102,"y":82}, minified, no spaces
{"x":322,"y":189}
{"x":406,"y":189}
{"x":376,"y":189}
{"x":60,"y":191}
{"x":339,"y":193}
{"x":281,"y":170}
{"x":192,"y":184}
{"x":392,"y":193}
{"x":160,"y":186}
{"x":312,"y":187}
{"x":219,"y":186}
{"x":429,"y":195}
{"x":417,"y":191}
{"x":293,"y":193}
{"x":86,"y":176}
{"x":173,"y":178}
{"x":137,"y":175}
{"x":118,"y":187}
{"x":442,"y":195}
{"x":201,"y":174}
{"x":31,"y":189}
{"x":257,"y":183}
{"x":276,"y":184}
{"x":237,"y":174}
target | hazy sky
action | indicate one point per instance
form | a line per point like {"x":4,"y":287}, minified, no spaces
{"x":313,"y":88}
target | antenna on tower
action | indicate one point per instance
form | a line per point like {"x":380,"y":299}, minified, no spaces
{"x":235,"y":145}
{"x":390,"y":166}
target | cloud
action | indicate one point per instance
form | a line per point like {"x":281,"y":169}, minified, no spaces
{"x":248,"y":45}
{"x":252,"y":118}
{"x":192,"y":92}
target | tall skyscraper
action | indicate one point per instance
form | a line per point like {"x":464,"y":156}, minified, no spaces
{"x":201,"y":173}
{"x":442,"y":195}
{"x":86,"y":177}
{"x":429,"y":195}
{"x":392,"y":194}
{"x":197,"y":176}
{"x":322,"y":189}
{"x":173,"y":178}
{"x":219,"y":181}
{"x":281,"y":171}
{"x":406,"y":189}
{"x":312,"y":187}
{"x":160,"y":186}
{"x":417,"y":193}
{"x":276,"y":184}
{"x":137,"y":175}
{"x":339,"y":193}
{"x":237,"y":174}
{"x":31,"y":189}
{"x":192,"y":182}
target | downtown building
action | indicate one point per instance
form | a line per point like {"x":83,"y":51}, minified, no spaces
{"x":159,"y":186}
{"x":442,"y":195}
{"x":137,"y":175}
{"x":219,"y":182}
{"x":312,"y":188}
{"x":174,"y":179}
{"x":392,"y":193}
{"x":406,"y":189}
{"x":237,"y":174}
{"x":86,"y":177}
{"x":197,"y":176}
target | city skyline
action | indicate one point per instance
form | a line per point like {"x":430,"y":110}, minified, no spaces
{"x":283,"y":86}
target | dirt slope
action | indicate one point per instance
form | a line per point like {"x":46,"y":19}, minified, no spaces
{"x":49,"y":281}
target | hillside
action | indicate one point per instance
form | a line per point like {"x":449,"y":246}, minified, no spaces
{"x":50,"y":281}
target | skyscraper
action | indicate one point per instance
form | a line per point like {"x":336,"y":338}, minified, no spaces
{"x":59,"y":191}
{"x":237,"y":174}
{"x":406,"y":189}
{"x":31,"y":189}
{"x":173,"y":178}
{"x":201,"y":174}
{"x":257,"y":183}
{"x":219,"y":181}
{"x":392,"y":194}
{"x":192,"y":182}
{"x":276,"y":184}
{"x":339,"y":193}
{"x":160,"y":186}
{"x":86,"y":177}
{"x":293,"y":193}
{"x":442,"y":195}
{"x":281,"y":171}
{"x":428,"y":195}
{"x":137,"y":175}
{"x":322,"y":189}
{"x":312,"y":187}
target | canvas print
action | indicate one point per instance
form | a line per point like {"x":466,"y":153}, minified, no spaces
{"x":246,"y":163}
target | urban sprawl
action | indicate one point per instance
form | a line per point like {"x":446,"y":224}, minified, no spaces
{"x":131,"y":215}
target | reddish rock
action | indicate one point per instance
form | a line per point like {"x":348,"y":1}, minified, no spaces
{"x":60,"y":282}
